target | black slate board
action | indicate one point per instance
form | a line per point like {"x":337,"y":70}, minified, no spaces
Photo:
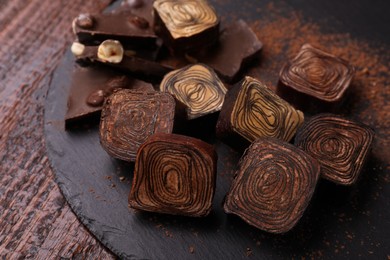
{"x":90,"y":181}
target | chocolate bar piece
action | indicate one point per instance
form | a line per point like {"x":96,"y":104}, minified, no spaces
{"x":340,"y":145}
{"x":185,"y":24}
{"x":317,"y":74}
{"x":130,"y":117}
{"x":251,"y":110}
{"x":273,"y":185}
{"x":236,"y":47}
{"x":90,"y":86}
{"x":129,"y":29}
{"x":112,"y":53}
{"x":197,"y":87}
{"x":174,"y":174}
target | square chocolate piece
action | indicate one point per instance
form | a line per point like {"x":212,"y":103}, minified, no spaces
{"x":340,"y":145}
{"x":317,"y":74}
{"x":251,"y":110}
{"x":174,"y":174}
{"x":130,"y":117}
{"x":185,"y":24}
{"x":273,"y":185}
{"x":197,"y":87}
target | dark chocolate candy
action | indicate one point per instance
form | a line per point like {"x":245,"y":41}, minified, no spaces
{"x":130,"y":29}
{"x":340,"y":145}
{"x":318,"y":74}
{"x":273,"y":185}
{"x":237,"y":45}
{"x":185,"y":24}
{"x":130,"y":117}
{"x":112,"y":53}
{"x":251,"y":110}
{"x":174,"y":174}
{"x":90,"y":86}
{"x":197,"y":87}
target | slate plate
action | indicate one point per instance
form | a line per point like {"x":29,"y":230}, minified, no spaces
{"x":340,"y":221}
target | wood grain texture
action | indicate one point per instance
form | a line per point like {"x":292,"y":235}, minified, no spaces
{"x":35,"y":221}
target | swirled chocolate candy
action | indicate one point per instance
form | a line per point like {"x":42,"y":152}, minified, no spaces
{"x":130,"y":117}
{"x":127,"y":28}
{"x":174,"y":174}
{"x":90,"y":86}
{"x":237,"y":46}
{"x":340,"y":145}
{"x":113,"y":54}
{"x":251,"y":110}
{"x":273,"y":185}
{"x":197,"y":87}
{"x":318,"y":74}
{"x":185,"y":24}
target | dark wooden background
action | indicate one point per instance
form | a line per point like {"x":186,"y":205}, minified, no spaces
{"x":35,"y":220}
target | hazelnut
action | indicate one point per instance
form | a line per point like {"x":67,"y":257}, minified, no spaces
{"x":77,"y":48}
{"x":85,"y":21}
{"x":110,"y":51}
{"x":139,"y":22}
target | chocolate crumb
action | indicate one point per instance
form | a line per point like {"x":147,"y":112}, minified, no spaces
{"x":191,"y":249}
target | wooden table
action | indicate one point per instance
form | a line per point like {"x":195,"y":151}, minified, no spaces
{"x":35,"y":220}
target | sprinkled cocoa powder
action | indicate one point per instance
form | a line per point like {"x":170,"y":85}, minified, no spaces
{"x":367,"y":99}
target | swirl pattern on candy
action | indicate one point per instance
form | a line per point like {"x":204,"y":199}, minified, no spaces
{"x":130,"y":117}
{"x":197,"y":87}
{"x":273,"y":185}
{"x":340,"y":145}
{"x":184,"y":18}
{"x":258,"y":112}
{"x":174,"y":174}
{"x":318,"y":74}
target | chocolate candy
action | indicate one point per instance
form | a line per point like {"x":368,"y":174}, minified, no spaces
{"x":185,"y":24}
{"x":90,"y":86}
{"x":197,"y":87}
{"x":236,"y":47}
{"x":318,"y":74}
{"x":340,"y":145}
{"x":127,"y":28}
{"x":130,"y":117}
{"x":141,"y":8}
{"x":251,"y":110}
{"x":273,"y":185}
{"x":112,"y":53}
{"x":174,"y":174}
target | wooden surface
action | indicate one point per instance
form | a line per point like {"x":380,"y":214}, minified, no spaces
{"x":35,"y":220}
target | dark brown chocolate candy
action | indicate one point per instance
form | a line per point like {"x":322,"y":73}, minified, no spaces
{"x":197,"y":87}
{"x":90,"y":86}
{"x":130,"y":117}
{"x":112,"y":53}
{"x":251,"y":110}
{"x":317,"y":74}
{"x":130,"y":29}
{"x":174,"y":174}
{"x":185,"y":24}
{"x":273,"y":185}
{"x":340,"y":145}
{"x":237,"y":45}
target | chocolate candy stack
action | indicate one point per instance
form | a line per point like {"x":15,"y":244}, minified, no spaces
{"x":150,"y":65}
